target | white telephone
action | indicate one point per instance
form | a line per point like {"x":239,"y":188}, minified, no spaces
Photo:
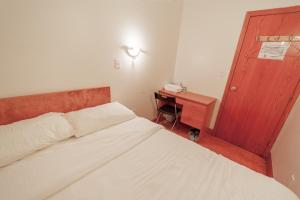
{"x":173,"y":88}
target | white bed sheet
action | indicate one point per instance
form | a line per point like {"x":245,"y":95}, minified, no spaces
{"x":167,"y":167}
{"x":50,"y":170}
{"x":135,"y":160}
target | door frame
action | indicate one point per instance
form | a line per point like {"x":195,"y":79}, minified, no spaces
{"x":293,"y":99}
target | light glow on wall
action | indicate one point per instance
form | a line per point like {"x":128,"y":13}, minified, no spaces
{"x":133,"y":44}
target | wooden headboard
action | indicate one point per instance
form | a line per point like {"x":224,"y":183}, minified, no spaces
{"x":24,"y":107}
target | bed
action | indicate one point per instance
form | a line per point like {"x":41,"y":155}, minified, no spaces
{"x":132,"y":160}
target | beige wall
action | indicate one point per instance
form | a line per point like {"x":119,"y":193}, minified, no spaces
{"x":208,"y":38}
{"x":286,"y":151}
{"x":57,"y":45}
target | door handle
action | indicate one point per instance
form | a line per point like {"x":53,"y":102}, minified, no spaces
{"x":233,"y":88}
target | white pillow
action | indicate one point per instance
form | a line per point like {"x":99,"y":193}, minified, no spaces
{"x":92,"y":119}
{"x":22,"y":138}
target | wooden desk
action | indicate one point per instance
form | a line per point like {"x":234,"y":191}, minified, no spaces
{"x":197,"y":109}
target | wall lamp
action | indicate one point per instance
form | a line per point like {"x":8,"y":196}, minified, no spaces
{"x":133,"y":51}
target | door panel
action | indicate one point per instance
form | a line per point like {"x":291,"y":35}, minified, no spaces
{"x":260,"y":90}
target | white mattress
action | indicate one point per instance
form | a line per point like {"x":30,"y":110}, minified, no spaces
{"x":135,"y":160}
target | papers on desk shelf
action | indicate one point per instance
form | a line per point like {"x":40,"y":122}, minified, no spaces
{"x":173,"y":88}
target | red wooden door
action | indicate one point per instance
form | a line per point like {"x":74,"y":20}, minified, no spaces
{"x":261,"y":92}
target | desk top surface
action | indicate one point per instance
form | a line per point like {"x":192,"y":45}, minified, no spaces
{"x":198,"y":98}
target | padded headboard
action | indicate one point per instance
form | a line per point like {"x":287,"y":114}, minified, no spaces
{"x":24,"y":107}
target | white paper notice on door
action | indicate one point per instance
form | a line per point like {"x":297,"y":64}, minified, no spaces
{"x":273,"y":50}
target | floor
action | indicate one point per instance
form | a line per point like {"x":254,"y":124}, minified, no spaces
{"x":228,"y":150}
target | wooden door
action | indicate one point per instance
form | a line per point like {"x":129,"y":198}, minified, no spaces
{"x":261,"y":92}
